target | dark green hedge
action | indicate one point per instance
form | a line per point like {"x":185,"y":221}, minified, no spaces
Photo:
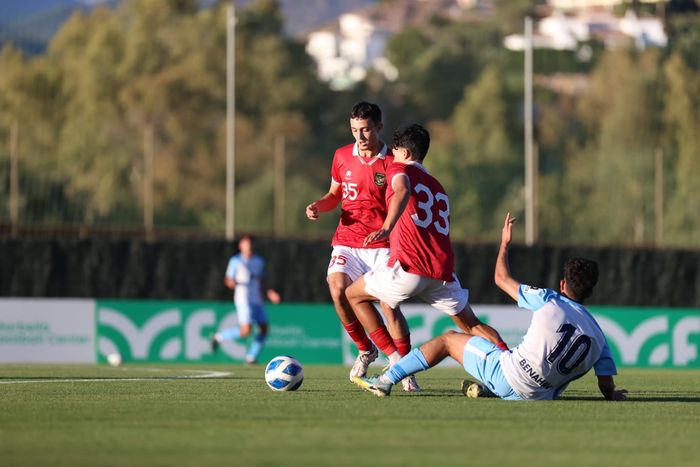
{"x":194,"y":269}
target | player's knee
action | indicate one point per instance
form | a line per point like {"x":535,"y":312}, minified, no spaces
{"x":337,"y":292}
{"x":454,"y":343}
{"x":448,"y":337}
{"x":452,"y":337}
{"x":245,"y":330}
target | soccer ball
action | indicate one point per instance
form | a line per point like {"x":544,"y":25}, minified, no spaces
{"x":284,"y":373}
{"x":114,"y":359}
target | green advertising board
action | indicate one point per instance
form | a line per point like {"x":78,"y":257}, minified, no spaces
{"x":158,"y":331}
{"x":651,"y":337}
{"x":162,"y":331}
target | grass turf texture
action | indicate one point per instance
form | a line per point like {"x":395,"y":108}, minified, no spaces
{"x":236,"y":420}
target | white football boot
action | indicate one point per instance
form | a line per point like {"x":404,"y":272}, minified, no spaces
{"x":410,"y":384}
{"x":362,"y":362}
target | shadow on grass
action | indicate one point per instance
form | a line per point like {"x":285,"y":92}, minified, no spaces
{"x":69,"y":379}
{"x":656,"y":396}
{"x":641,"y":397}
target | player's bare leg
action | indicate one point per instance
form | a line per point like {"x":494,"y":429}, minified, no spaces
{"x":398,"y":329}
{"x":395,"y":322}
{"x":337,"y":285}
{"x":450,"y":344}
{"x":242,"y":330}
{"x":256,"y":346}
{"x":361,"y":303}
{"x":467,"y":321}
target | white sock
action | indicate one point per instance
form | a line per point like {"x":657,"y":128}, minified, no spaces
{"x":384,"y":379}
{"x":394,"y":358}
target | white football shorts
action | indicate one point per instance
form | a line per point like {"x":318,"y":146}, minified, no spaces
{"x":392,"y":285}
{"x":357,"y":261}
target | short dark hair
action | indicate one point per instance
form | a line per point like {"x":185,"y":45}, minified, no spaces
{"x":581,"y":276}
{"x":415,"y":138}
{"x":366,"y":111}
{"x":248,"y":237}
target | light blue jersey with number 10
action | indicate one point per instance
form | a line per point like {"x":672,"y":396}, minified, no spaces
{"x":562,"y":343}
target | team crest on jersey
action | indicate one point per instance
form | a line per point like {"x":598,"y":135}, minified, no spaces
{"x":379,"y":179}
{"x":348,"y":174}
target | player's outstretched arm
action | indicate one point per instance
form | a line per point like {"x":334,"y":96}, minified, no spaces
{"x":399,"y":200}
{"x":328,"y":202}
{"x":502,"y":276}
{"x":607,"y":388}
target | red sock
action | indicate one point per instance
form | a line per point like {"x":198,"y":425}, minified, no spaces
{"x":358,"y":335}
{"x":503,"y":346}
{"x":383,"y":340}
{"x":403,"y":344}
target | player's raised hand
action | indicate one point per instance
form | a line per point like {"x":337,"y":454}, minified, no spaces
{"x":375,"y":236}
{"x":312,"y":211}
{"x":507,"y":233}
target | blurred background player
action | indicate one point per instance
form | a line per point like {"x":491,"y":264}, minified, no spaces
{"x":358,"y":184}
{"x":562,"y":343}
{"x":421,"y":261}
{"x":245,"y":275}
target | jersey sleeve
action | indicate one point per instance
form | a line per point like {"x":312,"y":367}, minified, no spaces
{"x":533,"y":298}
{"x":605,"y":366}
{"x":392,"y":171}
{"x":231,"y":269}
{"x":335,"y":169}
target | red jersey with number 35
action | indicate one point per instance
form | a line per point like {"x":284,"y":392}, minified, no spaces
{"x":363,"y":206}
{"x":420,"y":241}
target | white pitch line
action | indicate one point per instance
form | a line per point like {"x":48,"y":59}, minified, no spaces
{"x":202,"y":375}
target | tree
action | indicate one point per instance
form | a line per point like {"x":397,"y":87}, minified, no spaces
{"x":623,"y":134}
{"x":476,"y":160}
{"x":435,"y":63}
{"x":682,"y":118}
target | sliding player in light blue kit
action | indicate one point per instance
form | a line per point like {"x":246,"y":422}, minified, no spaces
{"x":245,"y":275}
{"x":563,"y":342}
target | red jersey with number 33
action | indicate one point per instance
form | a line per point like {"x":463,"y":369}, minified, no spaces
{"x":420,"y":241}
{"x":363,"y":206}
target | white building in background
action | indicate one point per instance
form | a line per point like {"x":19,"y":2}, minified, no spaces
{"x":646,"y":32}
{"x":562,"y":31}
{"x":346,"y":52}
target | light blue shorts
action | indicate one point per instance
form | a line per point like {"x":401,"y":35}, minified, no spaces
{"x":481,"y":360}
{"x":250,"y":314}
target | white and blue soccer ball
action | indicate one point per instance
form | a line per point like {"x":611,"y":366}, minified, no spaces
{"x":284,"y":373}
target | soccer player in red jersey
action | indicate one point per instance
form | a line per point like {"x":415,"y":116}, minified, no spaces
{"x":421,"y":261}
{"x":358,"y":184}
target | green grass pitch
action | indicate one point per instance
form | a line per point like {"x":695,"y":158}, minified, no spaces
{"x":140,"y":415}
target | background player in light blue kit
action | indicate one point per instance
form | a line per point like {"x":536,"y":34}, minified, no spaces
{"x":562,"y":343}
{"x":245,"y":275}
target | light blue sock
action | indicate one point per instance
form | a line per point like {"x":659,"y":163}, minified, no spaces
{"x":256,"y":347}
{"x":230,"y":334}
{"x":412,"y":363}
